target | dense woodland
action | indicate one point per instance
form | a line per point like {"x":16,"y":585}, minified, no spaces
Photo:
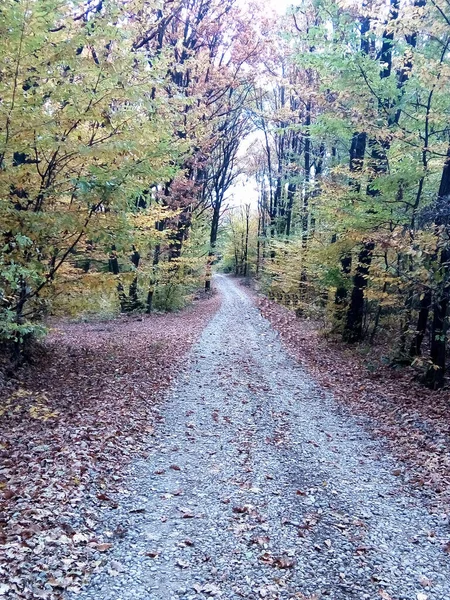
{"x":126,"y":125}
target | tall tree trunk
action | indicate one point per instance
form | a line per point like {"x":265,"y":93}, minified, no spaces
{"x":340,"y":296}
{"x":258,"y":243}
{"x":307,"y":156}
{"x":356,"y":164}
{"x":355,"y":316}
{"x":19,"y":341}
{"x":236,"y":259}
{"x":133,"y":291}
{"x":154,"y":277}
{"x":277,"y":204}
{"x":305,"y":210}
{"x":435,"y":376}
{"x":354,"y":325}
{"x":292,"y":188}
{"x":357,"y":154}
{"x":261,"y":243}
{"x":424,"y":311}
{"x":247,"y":219}
{"x":212,"y":244}
{"x":115,"y":269}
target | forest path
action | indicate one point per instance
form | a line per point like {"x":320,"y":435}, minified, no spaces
{"x":259,"y":486}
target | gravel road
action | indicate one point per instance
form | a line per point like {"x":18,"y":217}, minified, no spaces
{"x":258,"y":485}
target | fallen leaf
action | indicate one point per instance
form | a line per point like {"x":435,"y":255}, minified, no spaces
{"x":103,"y":547}
{"x":8,"y":494}
{"x":104,"y":497}
{"x":261,"y":540}
{"x":267,"y":558}
{"x":186,"y":512}
{"x":241,"y":510}
{"x":424,"y":581}
{"x":182,"y":564}
{"x":211,"y":589}
{"x":47,"y":482}
{"x":284,"y":562}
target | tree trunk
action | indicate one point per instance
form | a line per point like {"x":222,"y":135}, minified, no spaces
{"x":133,"y":291}
{"x":424,"y":311}
{"x":435,"y":376}
{"x":354,"y":325}
{"x":357,"y":153}
{"x":292,"y":188}
{"x":212,"y":244}
{"x":258,"y":242}
{"x":247,"y":218}
{"x":305,"y":209}
{"x":353,"y":331}
{"x":115,"y":269}
{"x":307,"y":156}
{"x":340,"y":297}
{"x":153,"y":278}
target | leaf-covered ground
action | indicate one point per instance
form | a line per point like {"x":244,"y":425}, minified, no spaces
{"x":68,"y":425}
{"x":413,"y":419}
{"x":71,"y":423}
{"x":259,"y":485}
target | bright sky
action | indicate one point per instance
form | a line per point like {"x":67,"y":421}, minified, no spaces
{"x":244,"y":191}
{"x":281,"y":5}
{"x":278,"y":5}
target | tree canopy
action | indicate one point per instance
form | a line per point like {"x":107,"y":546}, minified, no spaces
{"x":121,"y":140}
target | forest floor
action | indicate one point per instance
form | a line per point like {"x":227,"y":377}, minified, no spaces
{"x":411,"y":419}
{"x":69,"y":424}
{"x":258,"y":484}
{"x":259,"y":476}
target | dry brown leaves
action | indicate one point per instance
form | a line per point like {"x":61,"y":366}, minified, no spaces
{"x":68,"y":425}
{"x":414,"y":420}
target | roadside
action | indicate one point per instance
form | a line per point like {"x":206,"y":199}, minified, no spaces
{"x":412,"y":419}
{"x":260,"y":486}
{"x":69,"y":424}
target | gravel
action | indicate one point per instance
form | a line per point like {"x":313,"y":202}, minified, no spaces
{"x":258,"y":485}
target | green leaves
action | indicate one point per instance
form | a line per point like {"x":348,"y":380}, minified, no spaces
{"x":80,"y":136}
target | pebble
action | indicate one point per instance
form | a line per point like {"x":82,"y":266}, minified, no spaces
{"x":353,"y":529}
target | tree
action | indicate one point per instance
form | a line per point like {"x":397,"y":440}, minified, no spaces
{"x":223,"y":169}
{"x":353,"y":210}
{"x":76,"y":120}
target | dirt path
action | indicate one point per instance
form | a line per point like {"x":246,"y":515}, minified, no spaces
{"x":259,"y":486}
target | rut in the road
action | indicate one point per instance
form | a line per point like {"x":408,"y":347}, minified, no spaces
{"x":259,"y":486}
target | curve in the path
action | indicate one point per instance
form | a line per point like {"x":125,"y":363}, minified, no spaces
{"x":259,"y":486}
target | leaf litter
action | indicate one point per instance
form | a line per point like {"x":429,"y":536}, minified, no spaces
{"x":353,"y":531}
{"x":69,"y":423}
{"x":397,"y":408}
